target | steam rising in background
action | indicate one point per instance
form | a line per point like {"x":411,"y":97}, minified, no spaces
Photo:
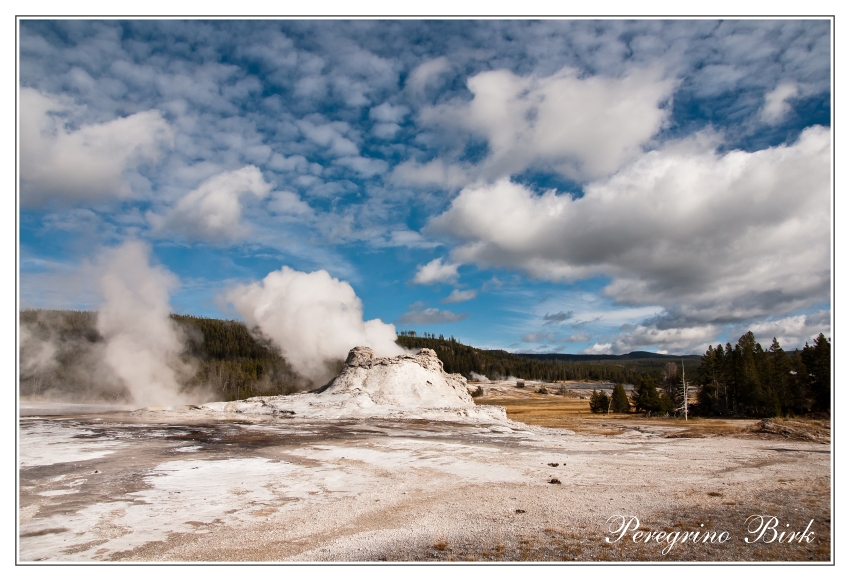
{"x":143,"y":344}
{"x":134,"y":351}
{"x":129,"y":351}
{"x":313,"y":318}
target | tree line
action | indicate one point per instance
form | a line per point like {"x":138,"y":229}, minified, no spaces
{"x":58,"y":353}
{"x":747,"y":380}
{"x":741,"y":381}
{"x":497,"y":364}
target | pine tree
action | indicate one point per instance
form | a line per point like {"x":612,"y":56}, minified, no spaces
{"x":619,"y":400}
{"x":599,"y":402}
{"x":817,"y":359}
{"x":646,"y":396}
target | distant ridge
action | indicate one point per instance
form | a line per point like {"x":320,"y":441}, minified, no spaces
{"x":634,"y":355}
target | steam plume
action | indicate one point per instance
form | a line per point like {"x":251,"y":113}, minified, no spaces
{"x":314,"y":319}
{"x":143,"y":345}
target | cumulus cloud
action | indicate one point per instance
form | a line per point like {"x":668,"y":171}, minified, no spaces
{"x":289,"y":204}
{"x":93,"y":161}
{"x":330,"y":135}
{"x":776,"y":102}
{"x":459,"y":296}
{"x":711,"y":237}
{"x":792,"y":332}
{"x":427,"y":74}
{"x":598,"y":349}
{"x":435,"y":271}
{"x":213,"y":211}
{"x":582,"y":127}
{"x":314,"y":318}
{"x":143,"y":345}
{"x":418,"y":314}
{"x":389,"y":113}
{"x":679,"y":340}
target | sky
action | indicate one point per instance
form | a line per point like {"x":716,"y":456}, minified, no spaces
{"x":563,"y":186}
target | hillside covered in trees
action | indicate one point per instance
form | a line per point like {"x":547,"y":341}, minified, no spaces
{"x":61,"y":354}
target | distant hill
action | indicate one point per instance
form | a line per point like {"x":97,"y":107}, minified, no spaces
{"x":624,"y":357}
{"x":464,"y":359}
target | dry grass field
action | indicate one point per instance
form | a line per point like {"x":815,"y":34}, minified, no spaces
{"x":573,"y":413}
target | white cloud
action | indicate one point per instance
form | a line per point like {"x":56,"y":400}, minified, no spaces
{"x":417,"y":314}
{"x":681,"y":340}
{"x":435,"y":271}
{"x":776,"y":106}
{"x":598,"y":349}
{"x":410,"y":239}
{"x":436,"y":173}
{"x":709,"y":237}
{"x":289,"y":204}
{"x":313,"y":318}
{"x":365,"y":166}
{"x":385,"y":130}
{"x":331,"y":136}
{"x":582,"y":127}
{"x":213,"y":211}
{"x":459,"y":296}
{"x":91,"y":162}
{"x":388,"y":113}
{"x":792,"y":332}
{"x":427,"y":74}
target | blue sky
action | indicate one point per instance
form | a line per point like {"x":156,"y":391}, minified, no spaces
{"x":537,"y":186}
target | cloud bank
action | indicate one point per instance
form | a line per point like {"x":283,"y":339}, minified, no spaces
{"x":88,"y":163}
{"x":712,"y":237}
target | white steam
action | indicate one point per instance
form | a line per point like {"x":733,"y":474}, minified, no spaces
{"x":313,"y":318}
{"x":143,"y":344}
{"x":478,"y":377}
{"x":36,"y":354}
